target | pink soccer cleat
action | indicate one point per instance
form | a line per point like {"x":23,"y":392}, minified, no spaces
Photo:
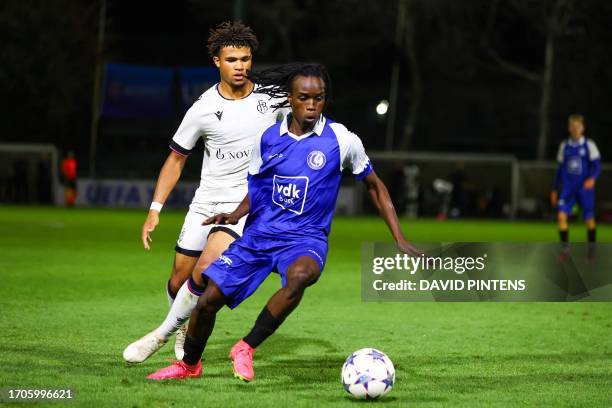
{"x":177,"y":371}
{"x":242,"y":358}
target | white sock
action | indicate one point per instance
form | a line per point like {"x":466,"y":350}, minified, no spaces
{"x":179,"y":313}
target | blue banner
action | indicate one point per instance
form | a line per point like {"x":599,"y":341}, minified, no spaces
{"x":130,"y":193}
{"x":137,"y":91}
{"x":194,"y":81}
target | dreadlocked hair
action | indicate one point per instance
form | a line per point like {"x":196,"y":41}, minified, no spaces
{"x":231,"y":34}
{"x":277,"y":82}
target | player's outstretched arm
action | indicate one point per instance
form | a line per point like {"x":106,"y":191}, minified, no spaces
{"x":168,"y":177}
{"x":594,"y":165}
{"x":595,"y":169}
{"x":380,"y":197}
{"x":233,"y":217}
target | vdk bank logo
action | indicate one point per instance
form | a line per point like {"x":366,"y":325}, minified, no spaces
{"x":289,"y":193}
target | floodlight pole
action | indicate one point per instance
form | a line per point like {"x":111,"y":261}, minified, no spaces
{"x":395,"y":72}
{"x":238,"y":10}
{"x":95,"y":105}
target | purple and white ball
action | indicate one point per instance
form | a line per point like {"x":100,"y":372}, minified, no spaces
{"x":368,"y":373}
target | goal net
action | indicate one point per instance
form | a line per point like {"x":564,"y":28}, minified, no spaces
{"x":29,"y":174}
{"x":447,"y":184}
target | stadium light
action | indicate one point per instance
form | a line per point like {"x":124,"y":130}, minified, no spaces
{"x":382,"y":107}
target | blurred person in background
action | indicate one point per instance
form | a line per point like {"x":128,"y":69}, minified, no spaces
{"x":396,"y":184}
{"x":412,"y":189}
{"x":578,"y":168}
{"x":458,"y":178}
{"x":443,"y":190}
{"x":69,"y":177}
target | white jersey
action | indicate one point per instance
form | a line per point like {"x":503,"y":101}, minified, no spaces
{"x":228,"y":128}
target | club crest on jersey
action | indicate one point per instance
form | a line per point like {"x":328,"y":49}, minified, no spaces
{"x":289,"y":193}
{"x":574,"y":165}
{"x":316,"y":160}
{"x":262,"y":106}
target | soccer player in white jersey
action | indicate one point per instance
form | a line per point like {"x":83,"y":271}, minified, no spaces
{"x":227,"y":117}
{"x":294,"y":177}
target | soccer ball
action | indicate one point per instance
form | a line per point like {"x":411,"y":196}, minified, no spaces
{"x":368,"y":373}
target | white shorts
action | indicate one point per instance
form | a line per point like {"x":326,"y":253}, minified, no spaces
{"x":194,"y":235}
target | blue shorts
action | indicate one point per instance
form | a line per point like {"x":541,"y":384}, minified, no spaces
{"x":585,"y":199}
{"x":250,"y":259}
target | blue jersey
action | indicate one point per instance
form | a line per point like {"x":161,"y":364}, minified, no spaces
{"x":578,"y":160}
{"x":294,"y":180}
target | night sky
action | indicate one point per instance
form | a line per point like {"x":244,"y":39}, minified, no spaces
{"x":468,"y":102}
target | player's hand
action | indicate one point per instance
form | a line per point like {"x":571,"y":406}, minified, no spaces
{"x":554,"y":197}
{"x":148,"y":227}
{"x":407,"y":248}
{"x":222,"y":219}
{"x":589,"y":183}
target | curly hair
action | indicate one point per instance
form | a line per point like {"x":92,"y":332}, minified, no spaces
{"x":231,"y":34}
{"x":277,"y":82}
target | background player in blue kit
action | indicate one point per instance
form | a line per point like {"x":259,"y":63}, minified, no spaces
{"x":294,"y":177}
{"x":579,"y":167}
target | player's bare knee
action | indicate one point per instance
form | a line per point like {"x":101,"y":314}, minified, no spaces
{"x":562,"y":220}
{"x":201,"y":266}
{"x":205,"y":307}
{"x":204,"y":265}
{"x":211,"y":301}
{"x":299,"y":277}
{"x":176,"y":281}
{"x":181,"y":269}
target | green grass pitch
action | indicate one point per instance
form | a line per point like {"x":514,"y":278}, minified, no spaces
{"x":76,"y":287}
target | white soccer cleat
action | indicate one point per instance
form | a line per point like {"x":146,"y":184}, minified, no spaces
{"x":143,"y":348}
{"x":179,"y":342}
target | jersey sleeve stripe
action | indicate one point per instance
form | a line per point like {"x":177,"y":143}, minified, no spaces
{"x":179,"y":149}
{"x":366,"y":171}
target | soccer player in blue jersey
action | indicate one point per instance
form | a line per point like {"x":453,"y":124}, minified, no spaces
{"x":294,"y":176}
{"x":579,"y":167}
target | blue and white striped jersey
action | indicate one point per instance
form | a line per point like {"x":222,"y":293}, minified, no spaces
{"x":294,"y":180}
{"x":578,"y":160}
